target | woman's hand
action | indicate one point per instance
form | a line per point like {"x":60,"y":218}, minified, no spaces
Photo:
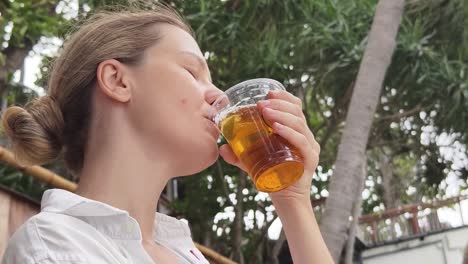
{"x":283,"y":112}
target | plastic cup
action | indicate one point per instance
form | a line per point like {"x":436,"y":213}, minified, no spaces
{"x":271,"y":162}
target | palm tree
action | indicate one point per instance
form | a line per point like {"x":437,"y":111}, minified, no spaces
{"x":351,"y":152}
{"x":465,"y":256}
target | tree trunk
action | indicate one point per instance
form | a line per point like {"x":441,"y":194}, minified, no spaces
{"x":391,"y":188}
{"x":356,"y":214}
{"x":259,"y":251}
{"x":14,"y":56}
{"x":207,"y":239}
{"x":239,"y":220}
{"x":386,"y":169}
{"x":351,"y":152}
{"x":276,"y":249}
{"x":465,"y":255}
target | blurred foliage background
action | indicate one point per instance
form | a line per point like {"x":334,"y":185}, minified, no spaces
{"x":417,"y":146}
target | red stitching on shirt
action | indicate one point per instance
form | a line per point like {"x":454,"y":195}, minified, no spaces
{"x":193,"y":253}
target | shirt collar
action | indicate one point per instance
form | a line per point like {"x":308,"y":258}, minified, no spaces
{"x":110,"y":220}
{"x":65,"y":202}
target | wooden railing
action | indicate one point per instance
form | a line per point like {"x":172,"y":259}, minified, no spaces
{"x":410,"y":220}
{"x":405,"y":221}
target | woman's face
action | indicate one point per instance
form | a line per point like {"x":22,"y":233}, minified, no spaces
{"x":171,"y":104}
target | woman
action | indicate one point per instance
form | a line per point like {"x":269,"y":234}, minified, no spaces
{"x":128,"y":108}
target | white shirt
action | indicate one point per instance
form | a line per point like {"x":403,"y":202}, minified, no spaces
{"x":73,"y":229}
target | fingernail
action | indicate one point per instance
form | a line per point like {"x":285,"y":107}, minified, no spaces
{"x":267,"y":110}
{"x":264,"y":103}
{"x":274,"y":92}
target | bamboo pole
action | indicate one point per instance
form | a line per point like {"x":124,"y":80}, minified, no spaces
{"x":58,"y":181}
{"x":213,"y":255}
{"x":38,"y":172}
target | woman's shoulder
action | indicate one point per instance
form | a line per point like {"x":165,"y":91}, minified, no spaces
{"x":38,"y":239}
{"x":53,"y":238}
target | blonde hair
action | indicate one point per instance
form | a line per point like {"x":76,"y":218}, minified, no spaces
{"x":57,"y":124}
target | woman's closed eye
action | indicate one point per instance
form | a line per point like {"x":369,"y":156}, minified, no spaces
{"x":195,"y":65}
{"x":192,"y":72}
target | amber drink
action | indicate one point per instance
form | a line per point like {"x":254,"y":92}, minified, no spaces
{"x":272,"y":163}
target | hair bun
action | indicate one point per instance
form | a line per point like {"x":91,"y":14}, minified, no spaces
{"x":35,"y":131}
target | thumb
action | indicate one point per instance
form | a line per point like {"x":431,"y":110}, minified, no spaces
{"x":228,"y":155}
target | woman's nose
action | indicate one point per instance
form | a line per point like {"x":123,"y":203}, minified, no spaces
{"x":212,"y":94}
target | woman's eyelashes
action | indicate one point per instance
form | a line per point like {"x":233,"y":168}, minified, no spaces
{"x":192,"y":72}
{"x":198,"y":74}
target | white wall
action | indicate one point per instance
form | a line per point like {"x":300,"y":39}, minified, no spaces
{"x":442,"y":248}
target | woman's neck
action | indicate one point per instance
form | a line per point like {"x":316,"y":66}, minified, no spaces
{"x":126,"y":177}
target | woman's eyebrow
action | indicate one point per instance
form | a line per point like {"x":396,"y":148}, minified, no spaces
{"x":202,"y":63}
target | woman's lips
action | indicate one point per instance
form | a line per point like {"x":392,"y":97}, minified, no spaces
{"x":213,"y":129}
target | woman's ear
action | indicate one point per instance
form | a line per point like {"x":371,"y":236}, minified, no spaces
{"x":112,"y":80}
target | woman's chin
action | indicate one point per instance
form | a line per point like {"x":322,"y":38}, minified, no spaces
{"x":205,"y":160}
{"x":211,"y":158}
